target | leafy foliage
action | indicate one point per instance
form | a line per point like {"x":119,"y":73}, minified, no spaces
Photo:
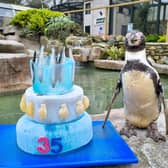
{"x":114,"y":53}
{"x":155,"y":38}
{"x":34,"y":20}
{"x":162,"y":38}
{"x":61,"y":27}
{"x":152,"y":38}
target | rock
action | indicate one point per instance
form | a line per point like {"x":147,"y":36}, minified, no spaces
{"x":2,"y":37}
{"x":13,"y":37}
{"x":166,"y":60}
{"x":9,"y":30}
{"x":48,"y":44}
{"x":97,"y":39}
{"x":119,"y":38}
{"x":156,"y":57}
{"x":95,"y":53}
{"x":156,"y":159}
{"x":103,"y":45}
{"x":11,"y":46}
{"x":78,"y":41}
{"x":43,"y":40}
{"x":85,"y":51}
{"x":14,"y":70}
{"x":80,"y":58}
{"x":108,"y":64}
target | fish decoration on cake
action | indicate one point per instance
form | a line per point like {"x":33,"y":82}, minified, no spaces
{"x":142,"y":90}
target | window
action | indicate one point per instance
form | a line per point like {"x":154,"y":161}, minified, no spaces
{"x":6,"y":12}
{"x":87,"y":6}
{"x":120,"y":10}
{"x":87,"y":29}
{"x":123,"y":30}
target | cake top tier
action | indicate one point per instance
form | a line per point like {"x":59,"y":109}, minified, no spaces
{"x":52,"y":74}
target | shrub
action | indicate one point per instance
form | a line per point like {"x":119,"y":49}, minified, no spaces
{"x":115,"y":53}
{"x":61,"y":27}
{"x":34,"y":20}
{"x":162,"y":38}
{"x":152,"y":38}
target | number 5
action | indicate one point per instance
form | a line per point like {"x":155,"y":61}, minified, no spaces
{"x":56,"y":143}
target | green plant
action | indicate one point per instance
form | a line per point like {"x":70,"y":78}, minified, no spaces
{"x":162,"y":38}
{"x":152,"y":38}
{"x":115,"y":53}
{"x":34,"y":20}
{"x":61,"y":27}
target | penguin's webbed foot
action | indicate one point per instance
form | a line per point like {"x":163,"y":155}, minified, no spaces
{"x":128,"y":130}
{"x":152,"y":132}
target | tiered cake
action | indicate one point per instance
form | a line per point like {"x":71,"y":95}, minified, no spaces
{"x":55,"y":120}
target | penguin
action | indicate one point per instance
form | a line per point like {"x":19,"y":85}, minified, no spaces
{"x":143,"y":96}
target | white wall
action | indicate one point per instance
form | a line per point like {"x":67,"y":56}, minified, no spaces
{"x":94,"y":17}
{"x":119,"y":19}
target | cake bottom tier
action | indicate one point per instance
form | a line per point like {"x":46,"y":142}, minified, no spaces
{"x":50,"y":139}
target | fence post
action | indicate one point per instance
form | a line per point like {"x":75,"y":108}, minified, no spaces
{"x":106,"y":20}
{"x":167,"y":33}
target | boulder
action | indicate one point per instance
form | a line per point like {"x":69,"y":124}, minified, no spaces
{"x":12,"y":37}
{"x":81,"y":54}
{"x":11,"y":46}
{"x":14,"y":69}
{"x":95,"y":53}
{"x":2,"y":37}
{"x":9,"y":30}
{"x":78,"y":41}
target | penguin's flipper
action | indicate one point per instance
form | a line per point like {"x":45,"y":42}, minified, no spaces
{"x":162,"y":103}
{"x":166,"y":115}
{"x":117,"y":91}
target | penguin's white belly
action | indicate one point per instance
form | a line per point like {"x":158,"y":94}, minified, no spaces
{"x":140,"y":100}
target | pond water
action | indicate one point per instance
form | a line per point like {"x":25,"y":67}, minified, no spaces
{"x":98,"y":85}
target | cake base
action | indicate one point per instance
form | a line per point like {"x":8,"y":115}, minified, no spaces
{"x":50,"y":139}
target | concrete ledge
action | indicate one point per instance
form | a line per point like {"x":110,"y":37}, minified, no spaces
{"x":117,"y":65}
{"x":108,"y":64}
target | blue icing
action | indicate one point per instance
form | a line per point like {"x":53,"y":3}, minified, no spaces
{"x":51,"y":139}
{"x":50,"y":79}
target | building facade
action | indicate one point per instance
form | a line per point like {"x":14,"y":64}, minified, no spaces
{"x":104,"y":20}
{"x":7,"y":11}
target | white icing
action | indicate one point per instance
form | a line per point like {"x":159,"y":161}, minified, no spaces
{"x":53,"y":104}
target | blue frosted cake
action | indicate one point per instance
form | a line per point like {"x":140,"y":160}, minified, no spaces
{"x":55,"y":119}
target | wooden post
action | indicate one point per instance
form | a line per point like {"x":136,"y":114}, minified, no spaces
{"x":167,"y":33}
{"x":106,"y":20}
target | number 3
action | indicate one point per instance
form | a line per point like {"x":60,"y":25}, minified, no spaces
{"x":45,"y":145}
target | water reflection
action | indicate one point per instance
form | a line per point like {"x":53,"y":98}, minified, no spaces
{"x":98,"y":85}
